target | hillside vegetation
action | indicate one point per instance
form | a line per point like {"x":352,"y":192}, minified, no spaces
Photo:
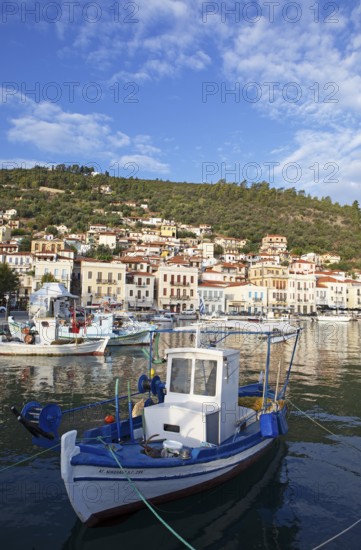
{"x":244,"y":211}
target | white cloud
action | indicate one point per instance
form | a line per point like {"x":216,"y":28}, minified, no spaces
{"x":326,"y":163}
{"x":51,"y":130}
{"x":141,"y":163}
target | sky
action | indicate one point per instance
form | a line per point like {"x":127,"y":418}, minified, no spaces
{"x":186,"y":91}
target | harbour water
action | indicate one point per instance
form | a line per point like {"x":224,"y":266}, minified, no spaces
{"x":304,"y":493}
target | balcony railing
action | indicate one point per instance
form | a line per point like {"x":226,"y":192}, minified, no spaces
{"x":105,"y":282}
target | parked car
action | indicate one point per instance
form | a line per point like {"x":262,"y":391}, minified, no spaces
{"x":2,"y":309}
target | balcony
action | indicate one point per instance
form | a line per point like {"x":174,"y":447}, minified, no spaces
{"x":105,"y":282}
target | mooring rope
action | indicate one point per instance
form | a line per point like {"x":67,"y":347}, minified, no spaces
{"x":336,"y":536}
{"x":344,"y":443}
{"x":142,"y":497}
{"x":323,"y":427}
{"x":29,"y":458}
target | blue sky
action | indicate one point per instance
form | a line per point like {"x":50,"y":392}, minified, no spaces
{"x":187,"y":90}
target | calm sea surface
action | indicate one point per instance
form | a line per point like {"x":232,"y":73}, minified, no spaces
{"x":305,"y":492}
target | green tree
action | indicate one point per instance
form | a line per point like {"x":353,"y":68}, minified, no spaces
{"x":103,"y":253}
{"x":25,"y":244}
{"x":218,"y":250}
{"x":48,"y":278}
{"x":52,"y":230}
{"x":9,"y":283}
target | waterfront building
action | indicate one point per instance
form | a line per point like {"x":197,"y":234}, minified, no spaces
{"x":177,"y":287}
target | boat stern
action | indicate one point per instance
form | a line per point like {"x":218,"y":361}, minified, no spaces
{"x":102,"y":347}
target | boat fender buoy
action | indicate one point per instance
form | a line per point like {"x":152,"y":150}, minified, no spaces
{"x":29,"y":339}
{"x":50,"y":418}
{"x":109,"y":419}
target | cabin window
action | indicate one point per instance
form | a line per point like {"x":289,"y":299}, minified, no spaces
{"x":171,"y":428}
{"x":205,"y":376}
{"x":181,"y":372}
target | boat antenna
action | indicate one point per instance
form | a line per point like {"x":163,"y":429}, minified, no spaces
{"x":265,"y":383}
{"x":198,"y":336}
{"x":117,"y":407}
{"x":283,"y":390}
{"x":277,"y":383}
{"x":130,"y":414}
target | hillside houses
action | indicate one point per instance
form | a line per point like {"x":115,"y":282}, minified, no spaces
{"x":154,"y":269}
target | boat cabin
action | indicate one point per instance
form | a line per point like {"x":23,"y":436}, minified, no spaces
{"x":201,"y":401}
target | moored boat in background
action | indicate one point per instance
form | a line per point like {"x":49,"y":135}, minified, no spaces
{"x":41,"y":338}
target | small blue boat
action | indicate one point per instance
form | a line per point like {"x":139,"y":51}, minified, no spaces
{"x":204,"y":429}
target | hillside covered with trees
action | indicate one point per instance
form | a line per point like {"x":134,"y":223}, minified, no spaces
{"x":72,"y":195}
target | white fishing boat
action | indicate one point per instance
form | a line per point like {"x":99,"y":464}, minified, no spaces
{"x":163,"y":317}
{"x":261,"y":326}
{"x":56,"y":348}
{"x":333,"y":318}
{"x":187,"y":315}
{"x":42,"y":339}
{"x":86,"y":323}
{"x":204,"y":430}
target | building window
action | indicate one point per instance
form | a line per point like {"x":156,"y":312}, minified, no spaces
{"x":164,"y":292}
{"x":119,"y":276}
{"x":165,"y":277}
{"x":90,"y":274}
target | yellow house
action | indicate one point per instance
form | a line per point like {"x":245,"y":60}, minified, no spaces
{"x":5,"y":233}
{"x":53,"y":246}
{"x":168,"y":231}
{"x":275,"y":278}
{"x":102,"y":281}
